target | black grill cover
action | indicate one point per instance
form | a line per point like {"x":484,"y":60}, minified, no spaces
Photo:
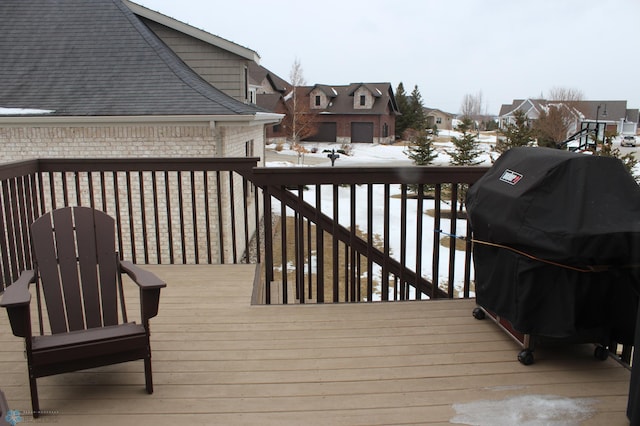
{"x":573,"y":209}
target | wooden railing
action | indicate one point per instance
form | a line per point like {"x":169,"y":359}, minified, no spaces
{"x":362,"y":234}
{"x":327,"y":234}
{"x":184,"y":211}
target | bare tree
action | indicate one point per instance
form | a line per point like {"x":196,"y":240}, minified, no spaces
{"x":559,"y":116}
{"x":565,"y":94}
{"x":300,"y":121}
{"x":473,"y":108}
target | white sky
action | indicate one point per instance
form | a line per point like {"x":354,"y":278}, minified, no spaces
{"x":504,"y":49}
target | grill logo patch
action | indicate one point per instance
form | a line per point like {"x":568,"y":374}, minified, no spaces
{"x":510,"y":177}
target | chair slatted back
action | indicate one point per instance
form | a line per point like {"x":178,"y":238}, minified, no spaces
{"x":74,"y":249}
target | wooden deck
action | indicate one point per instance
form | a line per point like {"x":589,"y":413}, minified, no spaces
{"x":220,"y":361}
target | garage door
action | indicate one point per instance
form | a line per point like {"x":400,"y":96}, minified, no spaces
{"x":362,"y":132}
{"x":326,"y":133}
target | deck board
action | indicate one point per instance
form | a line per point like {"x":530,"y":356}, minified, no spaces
{"x":219,"y":360}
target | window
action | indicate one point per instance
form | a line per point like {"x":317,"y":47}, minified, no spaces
{"x":363,"y":100}
{"x":438,"y":120}
{"x":246,"y":84}
{"x":317,"y":100}
{"x":385,"y":130}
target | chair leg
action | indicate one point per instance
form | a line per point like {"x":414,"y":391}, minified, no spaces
{"x":147,"y":374}
{"x":35,"y":404}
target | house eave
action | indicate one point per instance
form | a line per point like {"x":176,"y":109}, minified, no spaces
{"x":259,"y":118}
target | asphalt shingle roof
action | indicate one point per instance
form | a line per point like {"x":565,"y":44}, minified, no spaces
{"x":342,"y":98}
{"x":97,"y":58}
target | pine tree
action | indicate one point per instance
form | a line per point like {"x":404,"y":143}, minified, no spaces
{"x":419,"y":118}
{"x":422,"y":151}
{"x":466,"y":150}
{"x":518,"y":134}
{"x":466,"y":153}
{"x":404,"y":119}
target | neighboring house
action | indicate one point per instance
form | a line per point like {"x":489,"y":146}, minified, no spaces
{"x":269,"y":91}
{"x":614,"y":113}
{"x":359,"y":112}
{"x":100,"y":79}
{"x":435,"y":117}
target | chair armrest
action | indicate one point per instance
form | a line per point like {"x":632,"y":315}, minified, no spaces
{"x":144,"y":279}
{"x":16,"y":299}
{"x":17,"y":294}
{"x":150,"y":286}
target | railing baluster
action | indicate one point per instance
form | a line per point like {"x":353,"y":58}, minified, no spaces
{"x":167,"y":194}
{"x":319,"y":248}
{"x":284,"y":257}
{"x":132,"y":233}
{"x":404,"y":288}
{"x":156,"y":215}
{"x":369,"y":242}
{"x":419,"y":233}
{"x":183,"y":244}
{"x":436,"y":241}
{"x":143,"y":217}
{"x":452,"y":240}
{"x":194,"y":218}
{"x":207,"y":215}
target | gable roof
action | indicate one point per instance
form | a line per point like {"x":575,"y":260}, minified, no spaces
{"x":258,"y":74}
{"x":97,"y":58}
{"x":342,"y":98}
{"x":603,"y":110}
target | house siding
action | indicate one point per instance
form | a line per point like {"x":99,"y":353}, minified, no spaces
{"x":221,"y":68}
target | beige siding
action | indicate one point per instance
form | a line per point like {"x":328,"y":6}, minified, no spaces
{"x":221,"y":68}
{"x":369,"y":99}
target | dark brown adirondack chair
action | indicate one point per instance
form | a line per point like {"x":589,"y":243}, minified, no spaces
{"x":79,"y":272}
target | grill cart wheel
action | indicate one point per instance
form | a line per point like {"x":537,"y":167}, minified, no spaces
{"x":601,"y":353}
{"x":526,"y":356}
{"x":478,"y":314}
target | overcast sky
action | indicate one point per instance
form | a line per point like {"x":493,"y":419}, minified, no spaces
{"x":504,"y":49}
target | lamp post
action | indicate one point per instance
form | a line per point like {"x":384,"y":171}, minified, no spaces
{"x":604,"y":114}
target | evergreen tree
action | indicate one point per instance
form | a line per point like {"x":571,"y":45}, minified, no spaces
{"x":466,"y":148}
{"x":466,"y":153}
{"x":403,"y":120}
{"x":419,"y":118}
{"x":607,"y":150}
{"x":518,"y":134}
{"x":422,"y":151}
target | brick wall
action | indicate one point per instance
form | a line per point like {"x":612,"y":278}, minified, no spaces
{"x":21,"y":143}
{"x":136,"y":141}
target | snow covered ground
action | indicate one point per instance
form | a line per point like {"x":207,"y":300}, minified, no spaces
{"x":364,"y":154}
{"x":383,"y":155}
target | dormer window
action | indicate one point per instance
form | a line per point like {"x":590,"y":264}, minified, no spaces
{"x":317,"y":100}
{"x":363,"y":100}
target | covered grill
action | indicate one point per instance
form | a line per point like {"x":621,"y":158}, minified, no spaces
{"x":557,"y":236}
